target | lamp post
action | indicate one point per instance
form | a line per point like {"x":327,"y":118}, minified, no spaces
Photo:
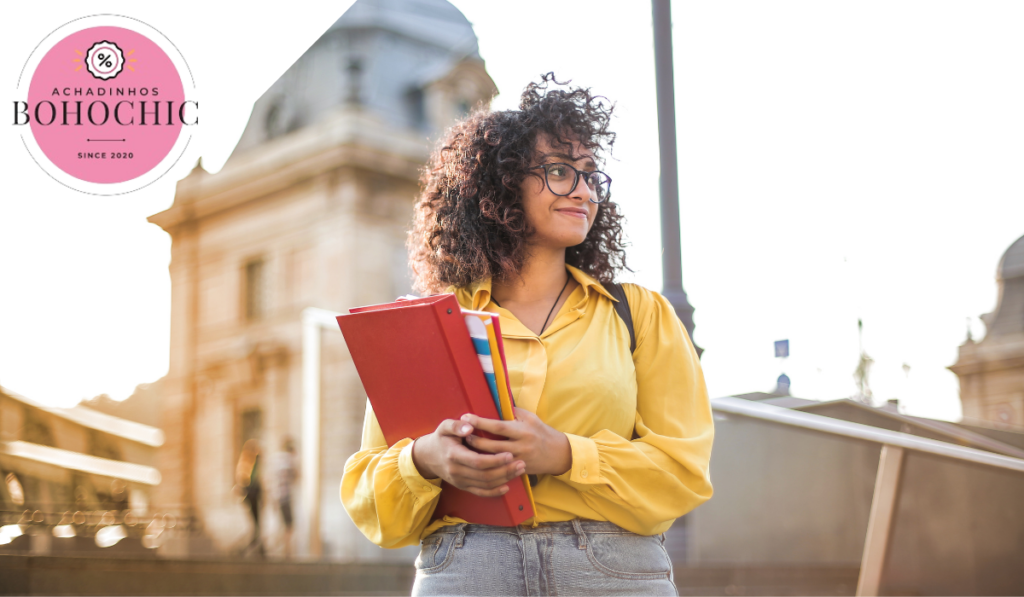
{"x":671,"y":257}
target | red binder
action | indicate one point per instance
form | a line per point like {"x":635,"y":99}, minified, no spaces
{"x":418,"y":367}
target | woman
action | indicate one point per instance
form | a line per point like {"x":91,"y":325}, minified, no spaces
{"x":247,"y":482}
{"x":515,"y":218}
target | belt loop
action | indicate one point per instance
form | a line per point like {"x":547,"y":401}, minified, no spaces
{"x":580,"y":535}
{"x":460,"y":535}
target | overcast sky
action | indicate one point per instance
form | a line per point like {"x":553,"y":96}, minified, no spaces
{"x":837,"y":161}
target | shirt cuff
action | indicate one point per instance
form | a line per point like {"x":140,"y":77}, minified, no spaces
{"x":423,"y":489}
{"x":586,"y":462}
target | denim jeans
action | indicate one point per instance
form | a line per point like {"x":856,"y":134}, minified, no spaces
{"x":579,"y":557}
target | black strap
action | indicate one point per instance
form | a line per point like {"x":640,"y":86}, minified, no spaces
{"x":622,"y":308}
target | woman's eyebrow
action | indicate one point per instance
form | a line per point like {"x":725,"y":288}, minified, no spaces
{"x":561,"y":156}
{"x":564,"y":156}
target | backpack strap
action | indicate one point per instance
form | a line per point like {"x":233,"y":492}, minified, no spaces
{"x":622,"y":309}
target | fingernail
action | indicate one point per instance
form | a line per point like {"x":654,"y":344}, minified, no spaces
{"x":465,"y":417}
{"x":466,"y":429}
{"x":504,"y":489}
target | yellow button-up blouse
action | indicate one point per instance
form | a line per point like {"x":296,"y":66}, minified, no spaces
{"x":639,"y":425}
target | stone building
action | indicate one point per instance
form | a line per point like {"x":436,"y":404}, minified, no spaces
{"x":67,"y":469}
{"x":310,"y":212}
{"x":59,"y":457}
{"x":991,"y":371}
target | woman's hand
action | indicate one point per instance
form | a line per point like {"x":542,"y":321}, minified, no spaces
{"x":442,"y":454}
{"x":544,"y":449}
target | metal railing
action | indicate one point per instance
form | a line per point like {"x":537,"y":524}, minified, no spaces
{"x":107,"y":526}
{"x":894,"y":445}
{"x":795,"y":418}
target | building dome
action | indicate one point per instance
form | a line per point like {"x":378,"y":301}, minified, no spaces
{"x":1008,"y":317}
{"x":413,"y":64}
{"x":436,"y":22}
{"x":991,"y":371}
{"x":1012,"y":263}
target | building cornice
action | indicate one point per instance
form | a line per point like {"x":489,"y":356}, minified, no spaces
{"x":76,"y":461}
{"x":92,"y":419}
{"x":350,"y":138}
{"x":991,"y":354}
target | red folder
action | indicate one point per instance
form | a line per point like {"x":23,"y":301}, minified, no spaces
{"x":418,"y":367}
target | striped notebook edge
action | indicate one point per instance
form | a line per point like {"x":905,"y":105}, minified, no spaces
{"x":477,"y":324}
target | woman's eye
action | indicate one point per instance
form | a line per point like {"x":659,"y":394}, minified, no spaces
{"x":557,"y":171}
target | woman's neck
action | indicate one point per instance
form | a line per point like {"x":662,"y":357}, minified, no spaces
{"x":542,"y":276}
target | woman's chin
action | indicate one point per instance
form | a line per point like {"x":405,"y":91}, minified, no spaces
{"x":571,"y":237}
{"x":560,"y":239}
{"x":573,"y":241}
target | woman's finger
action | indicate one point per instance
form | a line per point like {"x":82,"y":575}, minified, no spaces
{"x":468,"y":458}
{"x":454,"y":427}
{"x":489,"y":492}
{"x":504,"y":428}
{"x":486,"y":479}
{"x":504,"y":474}
{"x":491,"y":446}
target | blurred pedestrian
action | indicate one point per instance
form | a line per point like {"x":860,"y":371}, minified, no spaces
{"x":284,"y":472}
{"x":247,"y":479}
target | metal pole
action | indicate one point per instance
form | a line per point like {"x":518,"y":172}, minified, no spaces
{"x":672,"y":260}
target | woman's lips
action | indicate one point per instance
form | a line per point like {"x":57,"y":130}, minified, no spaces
{"x":571,"y":212}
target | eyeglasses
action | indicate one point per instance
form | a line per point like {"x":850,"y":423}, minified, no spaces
{"x":563,"y":178}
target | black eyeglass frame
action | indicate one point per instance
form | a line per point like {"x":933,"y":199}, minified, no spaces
{"x":579,"y":174}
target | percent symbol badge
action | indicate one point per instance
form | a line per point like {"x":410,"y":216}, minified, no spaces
{"x":105,"y":60}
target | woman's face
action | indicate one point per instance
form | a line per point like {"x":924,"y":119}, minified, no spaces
{"x":558,"y":222}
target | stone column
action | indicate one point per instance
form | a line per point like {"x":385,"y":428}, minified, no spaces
{"x":178,"y":404}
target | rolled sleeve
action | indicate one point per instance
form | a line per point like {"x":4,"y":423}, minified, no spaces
{"x":422,"y":488}
{"x":383,"y":492}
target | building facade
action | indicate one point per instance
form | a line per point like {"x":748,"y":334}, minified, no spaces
{"x":310,"y":212}
{"x":66,"y":473}
{"x":991,"y":371}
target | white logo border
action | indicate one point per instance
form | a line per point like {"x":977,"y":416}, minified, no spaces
{"x":187,"y":81}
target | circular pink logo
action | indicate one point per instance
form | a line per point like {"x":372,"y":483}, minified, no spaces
{"x":106,"y":105}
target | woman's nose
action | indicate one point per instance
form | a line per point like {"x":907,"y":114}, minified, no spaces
{"x":582,"y":190}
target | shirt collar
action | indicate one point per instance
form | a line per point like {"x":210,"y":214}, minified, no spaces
{"x":588,"y":282}
{"x":478,"y":294}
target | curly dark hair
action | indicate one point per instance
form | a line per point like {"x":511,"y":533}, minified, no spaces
{"x":469,"y":221}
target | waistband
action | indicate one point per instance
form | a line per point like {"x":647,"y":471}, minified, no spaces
{"x":570,"y":527}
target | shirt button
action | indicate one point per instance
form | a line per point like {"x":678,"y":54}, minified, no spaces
{"x":584,"y":474}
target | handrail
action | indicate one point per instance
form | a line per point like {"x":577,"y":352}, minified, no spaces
{"x":956,"y":435}
{"x":785,"y":416}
